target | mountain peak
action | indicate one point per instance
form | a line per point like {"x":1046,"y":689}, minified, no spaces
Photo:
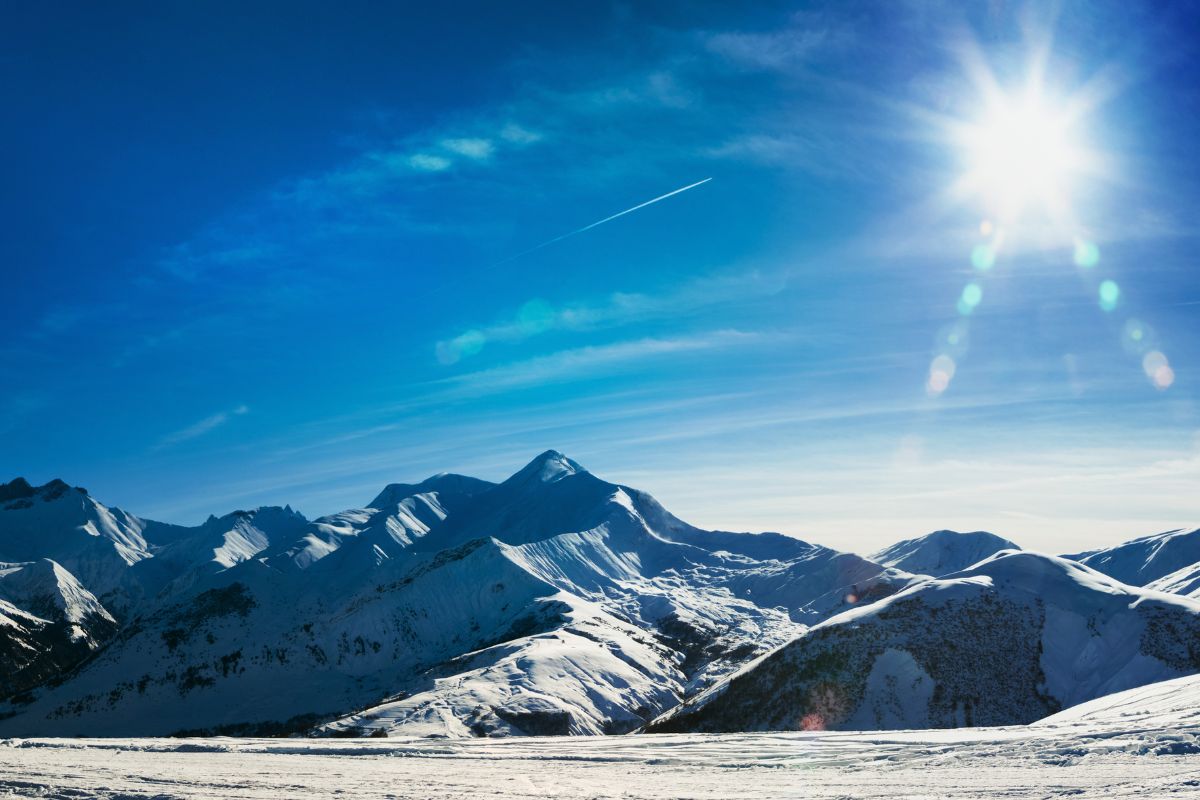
{"x":942,"y":552}
{"x":20,"y":489}
{"x":549,"y":467}
{"x":1145,"y":559}
{"x":16,"y":489}
{"x":443,"y":483}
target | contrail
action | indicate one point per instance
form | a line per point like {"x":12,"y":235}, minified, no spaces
{"x":578,"y":231}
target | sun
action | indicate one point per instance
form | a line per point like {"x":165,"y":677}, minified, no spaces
{"x":1022,"y":156}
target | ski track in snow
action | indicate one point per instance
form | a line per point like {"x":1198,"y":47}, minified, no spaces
{"x":1078,"y":760}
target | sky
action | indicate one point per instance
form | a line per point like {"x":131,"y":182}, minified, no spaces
{"x":290,"y":252}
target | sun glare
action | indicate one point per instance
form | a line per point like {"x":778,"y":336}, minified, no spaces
{"x":1022,"y":157}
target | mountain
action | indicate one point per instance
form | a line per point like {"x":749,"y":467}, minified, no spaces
{"x":94,"y":543}
{"x":48,"y":623}
{"x":1185,"y":581}
{"x":1013,"y":639}
{"x":46,"y":589}
{"x":553,"y":602}
{"x":1150,"y":558}
{"x":190,"y":554}
{"x":30,"y":651}
{"x":392,"y":523}
{"x":942,"y":552}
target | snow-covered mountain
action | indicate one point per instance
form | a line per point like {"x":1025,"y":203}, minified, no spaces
{"x":46,"y":589}
{"x":1147,"y":559}
{"x":1012,"y":639}
{"x":94,"y":543}
{"x":942,"y":552}
{"x":48,"y":623}
{"x":554,"y":602}
{"x":1185,"y":581}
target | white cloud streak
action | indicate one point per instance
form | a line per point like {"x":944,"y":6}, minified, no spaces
{"x":198,"y":429}
{"x":538,"y":317}
{"x":586,"y":361}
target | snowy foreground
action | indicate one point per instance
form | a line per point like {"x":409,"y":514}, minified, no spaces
{"x":1141,"y":743}
{"x":1109,"y":758}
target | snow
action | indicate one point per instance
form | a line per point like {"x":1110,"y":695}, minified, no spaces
{"x":94,"y":543}
{"x":942,"y":552}
{"x":1016,"y":637}
{"x":896,"y":695}
{"x":1184,"y":581}
{"x":1146,"y":559}
{"x":1115,"y":758}
{"x":1165,"y":705}
{"x":552,"y":602}
{"x":581,"y":678}
{"x":55,"y":592}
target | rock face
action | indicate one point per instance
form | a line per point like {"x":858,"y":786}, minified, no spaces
{"x":1008,"y":641}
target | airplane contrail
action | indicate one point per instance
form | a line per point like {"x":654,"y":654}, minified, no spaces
{"x":578,"y":231}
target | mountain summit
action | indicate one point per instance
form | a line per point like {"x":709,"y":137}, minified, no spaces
{"x":942,"y":552}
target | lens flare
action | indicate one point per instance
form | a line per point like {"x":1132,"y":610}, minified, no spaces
{"x":1153,"y":361}
{"x":465,"y":344}
{"x":1110,"y":294}
{"x":941,"y":371}
{"x":1087,"y":255}
{"x":954,"y":339}
{"x":535,"y":316}
{"x":1158,"y":369}
{"x":1137,"y":337}
{"x":972,"y":295}
{"x":983,"y":257}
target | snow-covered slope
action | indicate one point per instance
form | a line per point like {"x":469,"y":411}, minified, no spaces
{"x":1147,"y":559}
{"x":256,"y":650}
{"x":220,"y":543}
{"x":1165,"y":705}
{"x":45,"y":589}
{"x":942,"y":552}
{"x":387,"y":529}
{"x":26,"y":651}
{"x":1013,"y":639}
{"x":94,"y":543}
{"x":1185,"y":581}
{"x":589,"y":674}
{"x":48,"y":624}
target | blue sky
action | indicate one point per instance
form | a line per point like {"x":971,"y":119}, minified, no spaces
{"x":281,"y":255}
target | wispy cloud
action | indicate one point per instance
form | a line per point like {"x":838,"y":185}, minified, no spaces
{"x":537,"y":317}
{"x":782,"y":49}
{"x":589,"y":361}
{"x":425,"y":162}
{"x":473,"y":148}
{"x":198,"y":429}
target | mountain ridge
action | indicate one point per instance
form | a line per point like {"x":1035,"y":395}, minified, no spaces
{"x":553,"y":602}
